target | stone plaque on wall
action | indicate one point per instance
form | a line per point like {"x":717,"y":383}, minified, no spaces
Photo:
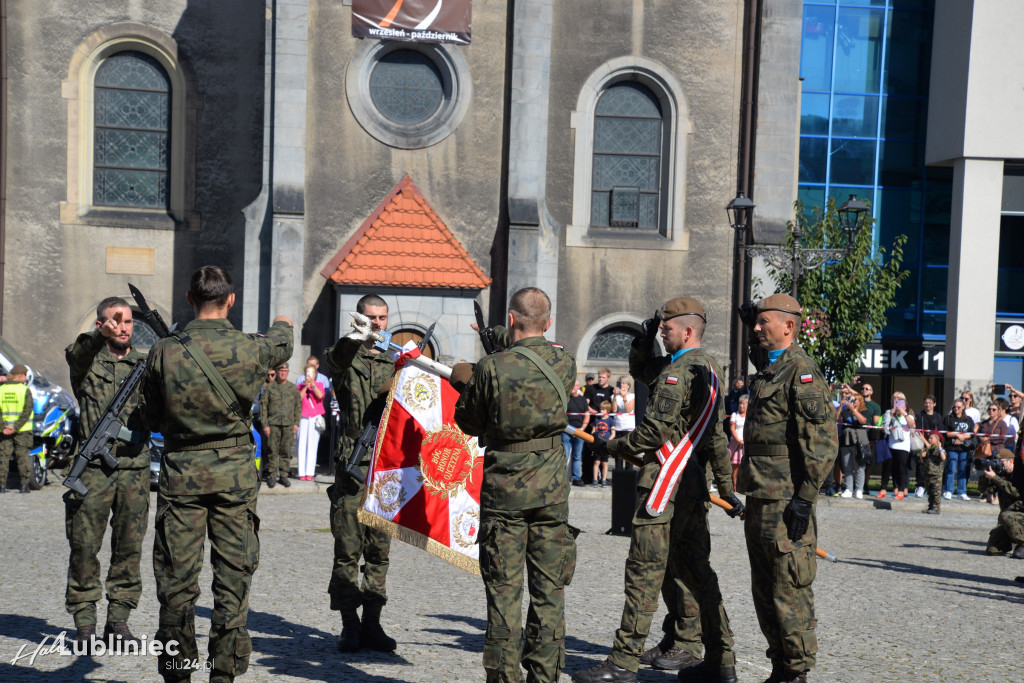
{"x":421,"y":21}
{"x":131,"y":261}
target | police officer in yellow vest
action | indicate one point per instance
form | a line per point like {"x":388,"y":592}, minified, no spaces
{"x":16,"y":403}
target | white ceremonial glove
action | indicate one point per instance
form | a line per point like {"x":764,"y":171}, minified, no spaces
{"x":361,"y":330}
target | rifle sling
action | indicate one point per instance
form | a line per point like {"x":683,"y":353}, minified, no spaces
{"x":212,"y":374}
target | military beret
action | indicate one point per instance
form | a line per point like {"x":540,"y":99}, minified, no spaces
{"x":1005,"y":454}
{"x":282,"y":366}
{"x":18,"y":369}
{"x":681,"y":305}
{"x":783,"y":303}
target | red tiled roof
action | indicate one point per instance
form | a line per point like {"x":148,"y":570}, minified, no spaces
{"x":404,"y":243}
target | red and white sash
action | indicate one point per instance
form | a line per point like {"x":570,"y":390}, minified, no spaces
{"x":673,"y":459}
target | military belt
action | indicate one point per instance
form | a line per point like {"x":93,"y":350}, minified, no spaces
{"x":765,"y":449}
{"x":176,"y":446}
{"x":541,"y":444}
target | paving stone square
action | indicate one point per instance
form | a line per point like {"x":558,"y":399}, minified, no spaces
{"x":914,"y":597}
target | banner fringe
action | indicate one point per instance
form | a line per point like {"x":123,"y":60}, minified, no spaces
{"x":417,"y":539}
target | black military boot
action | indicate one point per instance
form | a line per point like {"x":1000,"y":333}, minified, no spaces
{"x":1018,"y":552}
{"x":271,"y":483}
{"x":117,"y":635}
{"x":25,"y":488}
{"x":605,"y":672}
{"x":283,"y":480}
{"x":708,"y":673}
{"x":657,"y":651}
{"x":348,"y":641}
{"x":371,"y":633}
{"x":84,"y":636}
{"x":674,"y":659}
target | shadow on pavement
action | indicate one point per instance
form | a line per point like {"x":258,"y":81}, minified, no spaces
{"x":918,"y":570}
{"x":469,"y":641}
{"x":284,"y":647}
{"x":33,"y":630}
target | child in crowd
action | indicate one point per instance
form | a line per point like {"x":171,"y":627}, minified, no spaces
{"x":736,"y":435}
{"x":933,"y":458}
{"x":604,"y":428}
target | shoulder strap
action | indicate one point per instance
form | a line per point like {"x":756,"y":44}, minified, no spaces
{"x":548,"y":372}
{"x":212,"y":374}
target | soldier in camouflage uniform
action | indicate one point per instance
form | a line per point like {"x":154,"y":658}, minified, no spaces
{"x":280,"y":412}
{"x":99,"y":361}
{"x":933,"y":459}
{"x":359,"y":372}
{"x":678,"y":538}
{"x":208,"y":478}
{"x":790,"y":443}
{"x":515,"y":404}
{"x":16,"y":439}
{"x":1009,"y":532}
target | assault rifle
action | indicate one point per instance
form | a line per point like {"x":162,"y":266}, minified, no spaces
{"x":487,"y":338}
{"x":108,"y":428}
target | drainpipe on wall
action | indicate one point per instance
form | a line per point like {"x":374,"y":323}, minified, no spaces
{"x":745,"y":173}
{"x":3,"y":153}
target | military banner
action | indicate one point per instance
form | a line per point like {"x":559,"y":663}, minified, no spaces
{"x":423,"y":21}
{"x":423,"y":484}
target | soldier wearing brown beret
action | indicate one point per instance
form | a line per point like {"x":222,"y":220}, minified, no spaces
{"x":790,"y":443}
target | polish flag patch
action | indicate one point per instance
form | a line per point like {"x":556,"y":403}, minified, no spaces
{"x":806,"y":379}
{"x":671,"y":380}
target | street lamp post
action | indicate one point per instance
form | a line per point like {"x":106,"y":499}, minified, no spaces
{"x":797,"y":258}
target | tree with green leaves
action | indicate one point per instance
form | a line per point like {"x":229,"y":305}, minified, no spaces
{"x":844,"y":301}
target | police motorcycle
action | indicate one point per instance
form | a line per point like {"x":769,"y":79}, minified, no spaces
{"x":54,"y":416}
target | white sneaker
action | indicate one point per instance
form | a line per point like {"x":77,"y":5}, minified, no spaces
{"x":947,"y":495}
{"x":847,"y":493}
{"x":919,"y":493}
{"x":859,"y":495}
{"x":964,"y":496}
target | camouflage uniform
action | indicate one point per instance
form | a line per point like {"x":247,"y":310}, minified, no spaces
{"x":207,"y":482}
{"x":19,"y":443}
{"x":281,"y":410}
{"x":790,"y":443}
{"x":120,"y":495}
{"x":358,"y":375}
{"x":512,"y":407}
{"x":933,"y":466}
{"x":678,"y":538}
{"x":1010,"y":529}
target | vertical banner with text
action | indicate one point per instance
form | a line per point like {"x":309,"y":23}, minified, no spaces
{"x":421,"y":21}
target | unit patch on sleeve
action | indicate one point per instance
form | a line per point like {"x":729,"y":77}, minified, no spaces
{"x":806,"y":379}
{"x":671,"y":380}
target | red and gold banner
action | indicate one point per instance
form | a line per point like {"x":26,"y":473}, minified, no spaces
{"x":423,"y":21}
{"x":423,"y":484}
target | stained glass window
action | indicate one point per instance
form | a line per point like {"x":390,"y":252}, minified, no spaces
{"x":132,"y":118}
{"x":626,"y":181}
{"x":612,"y":344}
{"x":406,"y":87}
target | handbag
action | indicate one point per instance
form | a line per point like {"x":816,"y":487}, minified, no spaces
{"x":917,"y":443}
{"x":894,"y":427}
{"x":866,"y":453}
{"x":983,"y":450}
{"x":319,"y":424}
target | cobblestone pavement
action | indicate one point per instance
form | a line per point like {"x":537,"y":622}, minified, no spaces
{"x":913,"y":597}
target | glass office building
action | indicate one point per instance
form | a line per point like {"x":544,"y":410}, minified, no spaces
{"x":865,"y":68}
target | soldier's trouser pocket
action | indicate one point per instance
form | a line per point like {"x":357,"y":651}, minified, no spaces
{"x":251,"y":549}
